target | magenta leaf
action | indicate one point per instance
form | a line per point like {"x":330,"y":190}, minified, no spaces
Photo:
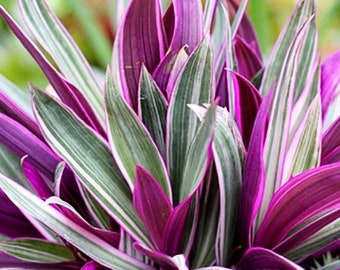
{"x":188,"y":28}
{"x":68,"y":93}
{"x":248,"y":62}
{"x":140,"y":41}
{"x":92,"y":265}
{"x":254,"y":176}
{"x":260,"y":258}
{"x":248,"y":99}
{"x":22,"y":142}
{"x":330,"y":148}
{"x":302,"y":197}
{"x":175,"y":228}
{"x":152,"y":205}
{"x":330,"y":79}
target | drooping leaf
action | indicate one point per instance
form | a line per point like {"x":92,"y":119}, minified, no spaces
{"x":130,"y":141}
{"x":49,"y":31}
{"x":85,"y":241}
{"x":194,"y":86}
{"x":152,"y":205}
{"x":70,"y":138}
{"x":36,"y":250}
{"x":302,"y":197}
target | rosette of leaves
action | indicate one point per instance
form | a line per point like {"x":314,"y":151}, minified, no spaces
{"x":191,"y":154}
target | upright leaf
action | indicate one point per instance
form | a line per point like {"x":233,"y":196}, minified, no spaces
{"x":194,"y":86}
{"x":130,"y":141}
{"x":70,"y":138}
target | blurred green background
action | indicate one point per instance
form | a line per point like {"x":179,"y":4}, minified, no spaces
{"x":83,"y":18}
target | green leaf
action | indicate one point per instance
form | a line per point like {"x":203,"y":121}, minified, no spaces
{"x":198,"y":157}
{"x":153,"y":107}
{"x":194,"y":86}
{"x":90,"y":158}
{"x":53,"y":37}
{"x":34,"y":250}
{"x":131,"y":143}
{"x":85,"y":241}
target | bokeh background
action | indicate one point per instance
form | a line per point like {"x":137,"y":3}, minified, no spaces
{"x":83,"y":18}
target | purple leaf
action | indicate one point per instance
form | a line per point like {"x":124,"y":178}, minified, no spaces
{"x":330,"y":80}
{"x":152,"y":205}
{"x":13,"y":222}
{"x":36,"y":180}
{"x":246,"y":31}
{"x":175,"y":227}
{"x":68,"y":93}
{"x":140,"y":41}
{"x":260,"y":258}
{"x":302,"y":197}
{"x":158,"y":257}
{"x":330,"y":148}
{"x":248,"y":99}
{"x":22,"y":142}
{"x":248,"y":62}
{"x":92,"y":265}
{"x":302,"y":234}
{"x":188,"y":28}
{"x":9,"y":108}
{"x":254,"y":176}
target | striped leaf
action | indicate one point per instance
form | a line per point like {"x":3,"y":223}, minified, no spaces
{"x":90,"y":158}
{"x":194,"y":86}
{"x":84,"y":240}
{"x":130,"y":141}
{"x":35,"y":250}
{"x":54,"y":38}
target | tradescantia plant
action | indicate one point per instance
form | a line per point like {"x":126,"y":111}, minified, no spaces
{"x":192,"y":154}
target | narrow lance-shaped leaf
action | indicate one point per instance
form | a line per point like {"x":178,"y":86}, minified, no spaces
{"x":85,"y":241}
{"x":194,"y":86}
{"x":35,"y":250}
{"x":70,"y":138}
{"x":304,"y":196}
{"x":152,"y":109}
{"x":281,"y":113}
{"x":140,"y":41}
{"x":130,"y":141}
{"x":49,"y":31}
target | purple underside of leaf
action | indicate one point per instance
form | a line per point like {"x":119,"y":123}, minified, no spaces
{"x":260,"y":258}
{"x":13,"y":222}
{"x":22,"y":142}
{"x":9,"y":108}
{"x":35,"y":179}
{"x":140,"y":43}
{"x":158,"y":257}
{"x":152,"y":205}
{"x":68,"y":93}
{"x":248,"y":101}
{"x":175,"y":227}
{"x":330,"y":79}
{"x":9,"y":262}
{"x":247,"y":32}
{"x":301,"y":235}
{"x":254,"y":176}
{"x":330,"y":148}
{"x":302,"y":197}
{"x":248,"y":62}
{"x":169,"y":22}
{"x":222,"y":89}
{"x":188,"y":28}
{"x":93,"y":266}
